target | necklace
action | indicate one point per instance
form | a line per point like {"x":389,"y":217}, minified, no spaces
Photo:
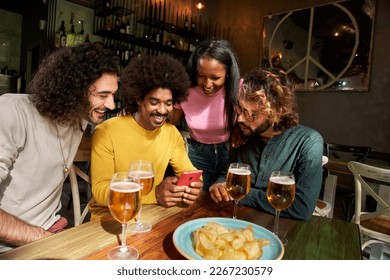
{"x":66,"y":169}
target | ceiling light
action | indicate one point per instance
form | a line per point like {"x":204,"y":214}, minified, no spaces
{"x":200,"y":6}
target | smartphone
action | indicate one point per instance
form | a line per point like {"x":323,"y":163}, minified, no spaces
{"x":189,"y":176}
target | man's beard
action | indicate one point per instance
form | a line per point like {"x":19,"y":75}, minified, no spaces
{"x":263,"y":127}
{"x":258,"y":130}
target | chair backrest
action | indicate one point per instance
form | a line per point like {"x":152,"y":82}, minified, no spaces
{"x":73,"y":173}
{"x":346,"y":152}
{"x":83,"y":155}
{"x":362,"y":174}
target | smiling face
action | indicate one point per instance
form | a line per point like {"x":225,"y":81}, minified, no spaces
{"x":154,"y":109}
{"x":211,"y":75}
{"x":101,"y":97}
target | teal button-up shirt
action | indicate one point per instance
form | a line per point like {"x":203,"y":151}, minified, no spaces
{"x":299,"y":150}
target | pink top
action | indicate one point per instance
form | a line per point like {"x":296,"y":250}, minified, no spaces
{"x":205,"y":116}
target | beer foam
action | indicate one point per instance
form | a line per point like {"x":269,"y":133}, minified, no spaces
{"x":142,"y":174}
{"x":125,"y":187}
{"x":283,"y":180}
{"x":239,"y":171}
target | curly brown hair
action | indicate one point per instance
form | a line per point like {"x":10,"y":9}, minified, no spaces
{"x":146,"y":73}
{"x":280,"y":103}
{"x":60,"y":87}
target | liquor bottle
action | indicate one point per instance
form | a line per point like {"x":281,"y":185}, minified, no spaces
{"x":192,"y":25}
{"x":186,"y":25}
{"x":123,"y":54}
{"x":108,"y":23}
{"x":128,"y":26}
{"x":103,"y":6}
{"x":158,"y":37}
{"x":118,"y":50}
{"x":116,"y":24}
{"x":126,"y":56}
{"x":87,"y":39}
{"x":122,"y":26}
{"x":107,"y":5}
{"x":63,"y":35}
{"x":131,"y":54}
{"x":57,"y":38}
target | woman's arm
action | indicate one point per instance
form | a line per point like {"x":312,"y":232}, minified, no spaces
{"x":176,"y":116}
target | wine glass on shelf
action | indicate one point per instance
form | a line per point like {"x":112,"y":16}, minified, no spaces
{"x":238,"y":183}
{"x":124,"y":202}
{"x":144,"y":170}
{"x":280,"y":194}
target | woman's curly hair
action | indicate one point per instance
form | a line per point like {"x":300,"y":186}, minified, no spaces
{"x":280,"y":103}
{"x":60,"y":87}
{"x":146,"y":73}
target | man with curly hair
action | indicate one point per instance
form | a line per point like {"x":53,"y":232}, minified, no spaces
{"x":40,"y":133}
{"x":150,"y":86}
{"x":267,"y":116}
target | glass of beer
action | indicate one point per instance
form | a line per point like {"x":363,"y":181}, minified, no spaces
{"x":124,"y":204}
{"x":238,"y":183}
{"x":144,"y":170}
{"x":280,"y":194}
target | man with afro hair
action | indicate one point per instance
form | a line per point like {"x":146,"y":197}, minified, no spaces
{"x":150,"y":86}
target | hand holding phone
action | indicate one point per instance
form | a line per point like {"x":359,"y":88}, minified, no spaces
{"x":189,"y":176}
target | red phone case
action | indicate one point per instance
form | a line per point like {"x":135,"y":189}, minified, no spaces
{"x":189,"y":176}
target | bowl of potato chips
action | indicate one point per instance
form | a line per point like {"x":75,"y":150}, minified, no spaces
{"x":226,"y":239}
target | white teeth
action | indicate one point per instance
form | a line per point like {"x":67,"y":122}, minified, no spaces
{"x":159,"y":118}
{"x":100,"y":111}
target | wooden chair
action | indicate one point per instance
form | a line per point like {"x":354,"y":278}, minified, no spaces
{"x":73,"y":173}
{"x":345,"y":153}
{"x":83,"y":155}
{"x":373,"y":225}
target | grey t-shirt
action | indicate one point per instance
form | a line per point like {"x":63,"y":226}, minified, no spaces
{"x":31,"y":161}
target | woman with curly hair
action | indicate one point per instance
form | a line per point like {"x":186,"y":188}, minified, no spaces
{"x":267,"y":116}
{"x":40,"y":133}
{"x":209,"y":110}
{"x":150,"y":86}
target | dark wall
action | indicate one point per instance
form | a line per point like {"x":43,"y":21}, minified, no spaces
{"x":354,"y":118}
{"x":33,"y":39}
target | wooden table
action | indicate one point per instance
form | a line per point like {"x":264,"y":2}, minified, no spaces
{"x":319,"y":238}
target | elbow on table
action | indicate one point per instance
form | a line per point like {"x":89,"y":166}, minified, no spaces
{"x":299,"y":214}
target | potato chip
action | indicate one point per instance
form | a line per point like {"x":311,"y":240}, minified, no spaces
{"x":215,"y":242}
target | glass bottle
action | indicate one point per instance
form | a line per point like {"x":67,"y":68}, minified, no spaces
{"x":122,"y":26}
{"x":128,"y":26}
{"x":63,"y":35}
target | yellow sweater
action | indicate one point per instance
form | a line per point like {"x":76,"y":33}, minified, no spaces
{"x":118,"y":141}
